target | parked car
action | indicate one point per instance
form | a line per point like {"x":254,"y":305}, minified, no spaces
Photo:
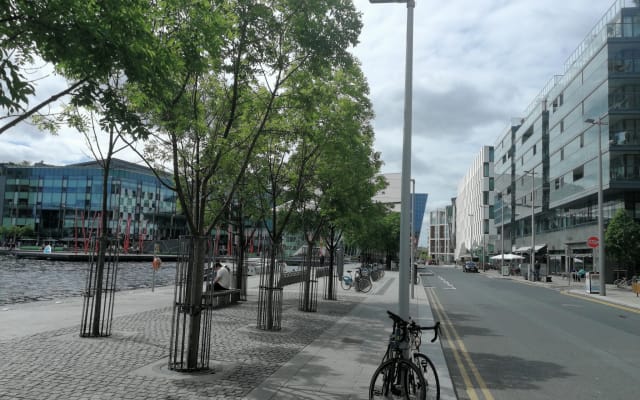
{"x":432,"y":262}
{"x":470,"y":266}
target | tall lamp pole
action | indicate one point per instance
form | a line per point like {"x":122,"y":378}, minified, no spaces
{"x":471,"y":235}
{"x":533,"y":224}
{"x":405,"y":197}
{"x":601,"y":266}
{"x":413,"y":239}
{"x":502,"y":232}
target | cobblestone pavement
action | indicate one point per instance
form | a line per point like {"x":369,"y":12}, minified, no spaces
{"x":132,"y":363}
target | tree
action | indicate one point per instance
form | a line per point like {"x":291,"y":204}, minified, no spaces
{"x":230,"y":63}
{"x":86,"y":42}
{"x":342,"y":180}
{"x":622,"y":240}
{"x":92,"y":131}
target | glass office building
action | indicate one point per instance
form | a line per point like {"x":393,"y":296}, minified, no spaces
{"x":60,"y":201}
{"x":546,"y":165}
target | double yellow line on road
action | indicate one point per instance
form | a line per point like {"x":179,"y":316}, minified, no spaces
{"x":465,"y":364}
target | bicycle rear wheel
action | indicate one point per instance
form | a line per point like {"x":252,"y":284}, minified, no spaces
{"x":397,"y":379}
{"x":432,"y":382}
{"x":374,"y":275}
{"x":364,"y":284}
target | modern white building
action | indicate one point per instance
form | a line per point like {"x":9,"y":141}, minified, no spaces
{"x":440,"y":235}
{"x":475,"y":230}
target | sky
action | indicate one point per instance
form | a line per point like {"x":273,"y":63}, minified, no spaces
{"x":476,"y":65}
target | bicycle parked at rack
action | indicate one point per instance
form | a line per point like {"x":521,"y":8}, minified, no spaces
{"x":359,"y":279}
{"x":377,"y":272}
{"x":405,"y":373}
{"x":624,"y":283}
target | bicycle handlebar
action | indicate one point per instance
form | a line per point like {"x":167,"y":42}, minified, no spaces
{"x":413,"y":326}
{"x":435,"y":328}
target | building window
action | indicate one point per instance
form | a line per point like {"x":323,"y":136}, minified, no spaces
{"x":581,"y":140}
{"x":527,"y":135}
{"x":485,"y":169}
{"x":562,"y":126}
{"x":485,"y":198}
{"x":534,"y":149}
{"x":562,"y":154}
{"x":578,"y":173}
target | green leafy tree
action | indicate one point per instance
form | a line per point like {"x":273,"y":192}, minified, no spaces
{"x":622,"y":240}
{"x":230,"y":62}
{"x":343,"y":179}
{"x":85,"y":41}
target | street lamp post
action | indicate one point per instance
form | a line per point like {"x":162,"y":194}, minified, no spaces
{"x":471,"y":236}
{"x":533,"y":224}
{"x":483,"y":239}
{"x":601,"y":266}
{"x":502,"y":232}
{"x":405,"y":198}
{"x":413,"y":229}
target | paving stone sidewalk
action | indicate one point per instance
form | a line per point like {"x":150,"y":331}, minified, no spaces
{"x":132,"y":363}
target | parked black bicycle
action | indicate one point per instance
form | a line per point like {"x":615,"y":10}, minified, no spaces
{"x":360,"y":280}
{"x":405,"y":372}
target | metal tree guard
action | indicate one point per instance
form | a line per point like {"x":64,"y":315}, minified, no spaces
{"x":190,"y":345}
{"x":239,"y":273}
{"x":270,"y":295}
{"x":100,"y":288}
{"x":308,"y":294}
{"x":331,"y":279}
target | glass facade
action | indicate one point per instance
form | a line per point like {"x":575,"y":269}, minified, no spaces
{"x":548,"y":160}
{"x":57,"y":201}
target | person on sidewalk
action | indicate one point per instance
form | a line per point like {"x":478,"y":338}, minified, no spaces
{"x":222,"y":281}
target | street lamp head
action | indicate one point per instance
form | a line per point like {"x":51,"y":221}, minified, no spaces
{"x":590,"y":121}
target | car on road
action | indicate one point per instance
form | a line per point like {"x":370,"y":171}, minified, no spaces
{"x":470,"y":266}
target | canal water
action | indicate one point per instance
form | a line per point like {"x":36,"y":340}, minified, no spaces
{"x":24,"y":280}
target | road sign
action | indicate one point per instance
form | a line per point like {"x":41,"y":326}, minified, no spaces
{"x":593,"y":242}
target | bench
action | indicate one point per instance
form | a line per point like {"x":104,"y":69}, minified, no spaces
{"x":220,"y":298}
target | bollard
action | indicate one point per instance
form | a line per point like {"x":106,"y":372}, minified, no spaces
{"x":156,"y":263}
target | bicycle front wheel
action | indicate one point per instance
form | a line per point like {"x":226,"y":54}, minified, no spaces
{"x":345,"y":285}
{"x":430,"y":375}
{"x":397,"y":379}
{"x":364,"y":285}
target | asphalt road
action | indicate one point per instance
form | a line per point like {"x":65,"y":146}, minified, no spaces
{"x":508,"y":340}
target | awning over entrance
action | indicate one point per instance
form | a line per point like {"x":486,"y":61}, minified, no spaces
{"x":527,"y":249}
